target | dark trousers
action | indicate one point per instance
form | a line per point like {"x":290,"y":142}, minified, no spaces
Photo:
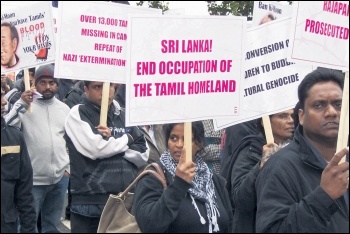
{"x":83,"y":224}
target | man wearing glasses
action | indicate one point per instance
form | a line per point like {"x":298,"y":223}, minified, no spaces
{"x":9,"y":43}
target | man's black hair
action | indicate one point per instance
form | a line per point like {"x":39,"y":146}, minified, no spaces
{"x":317,"y":76}
{"x":14,"y":32}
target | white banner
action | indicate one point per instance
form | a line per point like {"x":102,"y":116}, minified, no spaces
{"x":183,"y":68}
{"x":320,"y":34}
{"x":265,"y":11}
{"x":271,"y":82}
{"x":91,"y":43}
{"x":27,"y":37}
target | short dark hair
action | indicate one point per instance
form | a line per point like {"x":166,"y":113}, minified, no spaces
{"x":271,"y":16}
{"x":197,"y":131}
{"x":14,"y":32}
{"x":319,"y":75}
{"x":32,"y":69}
{"x":86,"y":83}
{"x":296,"y":114}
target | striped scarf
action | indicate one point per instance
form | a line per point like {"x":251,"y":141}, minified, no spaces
{"x":202,"y":188}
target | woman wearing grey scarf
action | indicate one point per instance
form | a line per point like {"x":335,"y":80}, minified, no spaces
{"x":196,"y":200}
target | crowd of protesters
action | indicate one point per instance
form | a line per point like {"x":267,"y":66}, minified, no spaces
{"x":295,"y":184}
{"x":52,"y":142}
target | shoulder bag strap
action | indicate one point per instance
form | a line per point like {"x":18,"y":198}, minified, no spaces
{"x":158,"y":169}
{"x":159,"y":174}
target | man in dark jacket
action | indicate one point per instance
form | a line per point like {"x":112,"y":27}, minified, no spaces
{"x":74,"y":96}
{"x":302,"y":188}
{"x":16,"y":180}
{"x":104,"y":160}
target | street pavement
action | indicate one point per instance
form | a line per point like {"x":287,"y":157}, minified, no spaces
{"x":65,"y":224}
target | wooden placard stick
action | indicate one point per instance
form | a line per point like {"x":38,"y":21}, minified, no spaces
{"x":343,"y":133}
{"x":188,"y":140}
{"x":26,"y":83}
{"x":26,"y":79}
{"x":268,"y":129}
{"x":104,"y":103}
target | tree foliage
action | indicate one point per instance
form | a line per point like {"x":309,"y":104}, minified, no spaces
{"x":164,"y":6}
{"x":237,"y":8}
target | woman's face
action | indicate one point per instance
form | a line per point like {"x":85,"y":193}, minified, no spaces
{"x":282,"y":125}
{"x":176,"y":142}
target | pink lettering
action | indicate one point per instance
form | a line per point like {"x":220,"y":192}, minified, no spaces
{"x":88,"y":19}
{"x":170,"y":89}
{"x":197,"y":46}
{"x":143,"y":90}
{"x":146,"y":68}
{"x":225,"y":65}
{"x":170,"y":46}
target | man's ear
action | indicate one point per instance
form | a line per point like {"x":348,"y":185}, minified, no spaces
{"x":15,"y":43}
{"x":301,"y":116}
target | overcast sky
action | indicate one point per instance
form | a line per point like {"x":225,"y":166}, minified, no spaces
{"x":191,"y":7}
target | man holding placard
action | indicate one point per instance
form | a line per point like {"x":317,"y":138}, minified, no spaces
{"x":302,"y":188}
{"x":104,"y":159}
{"x":43,"y":130}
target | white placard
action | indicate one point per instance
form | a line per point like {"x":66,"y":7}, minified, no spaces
{"x":54,"y":18}
{"x":183,"y":68}
{"x":91,"y":43}
{"x":270,"y":83}
{"x":320,"y":34}
{"x":265,"y":11}
{"x":27,"y":37}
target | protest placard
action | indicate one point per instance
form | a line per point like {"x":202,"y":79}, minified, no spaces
{"x":91,"y":43}
{"x":265,"y":11}
{"x":270,"y":80}
{"x":189,"y":70}
{"x":27,"y":37}
{"x":54,"y":17}
{"x":320,"y":34}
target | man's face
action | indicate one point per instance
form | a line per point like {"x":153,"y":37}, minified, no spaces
{"x":321,"y":114}
{"x":8,"y":47}
{"x":31,"y":79}
{"x":47,"y":87}
{"x":94,"y":92}
{"x":11,"y":75}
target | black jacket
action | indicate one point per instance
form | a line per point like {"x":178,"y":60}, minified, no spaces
{"x":74,"y":96}
{"x":16,"y":182}
{"x":14,"y":94}
{"x":234,"y":134}
{"x":290,"y":198}
{"x":244,"y":172}
{"x":101,"y":166}
{"x":171,"y":210}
